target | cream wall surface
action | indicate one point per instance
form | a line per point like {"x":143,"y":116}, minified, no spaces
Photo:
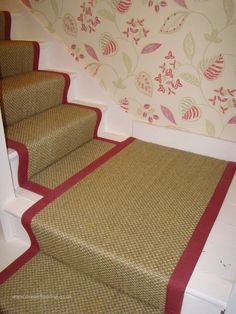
{"x":167,"y":62}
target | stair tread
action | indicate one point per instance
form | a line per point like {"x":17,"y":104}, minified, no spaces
{"x":52,"y":134}
{"x":117,"y":223}
{"x":72,"y":163}
{"x":44,"y":285}
{"x":24,"y":95}
{"x":16,"y":57}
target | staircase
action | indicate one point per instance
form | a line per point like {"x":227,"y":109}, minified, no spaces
{"x":98,"y":244}
{"x":54,"y":139}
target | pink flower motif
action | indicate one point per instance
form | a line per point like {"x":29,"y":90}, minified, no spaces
{"x":213,"y":100}
{"x":148,"y":113}
{"x":158,"y":78}
{"x":223,"y":98}
{"x":76,"y":52}
{"x":169,"y":56}
{"x":178,"y":84}
{"x":169,"y":73}
{"x":166,"y":77}
{"x":87,"y":19}
{"x":161,"y":89}
{"x":136,"y":30}
{"x":156,"y":5}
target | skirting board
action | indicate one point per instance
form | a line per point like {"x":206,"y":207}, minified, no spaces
{"x":191,"y":142}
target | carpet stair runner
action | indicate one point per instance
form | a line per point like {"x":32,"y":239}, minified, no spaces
{"x":55,"y":140}
{"x":115,"y":218}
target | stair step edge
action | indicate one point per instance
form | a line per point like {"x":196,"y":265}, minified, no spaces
{"x":100,"y":106}
{"x":113,"y":136}
{"x":64,"y":71}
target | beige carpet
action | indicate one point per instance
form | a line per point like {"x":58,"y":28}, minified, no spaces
{"x":128,"y":222}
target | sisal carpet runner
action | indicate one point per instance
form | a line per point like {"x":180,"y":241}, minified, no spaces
{"x":120,"y":226}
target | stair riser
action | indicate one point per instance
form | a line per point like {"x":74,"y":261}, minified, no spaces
{"x":18,"y":57}
{"x":30,"y":95}
{"x":50,"y":136}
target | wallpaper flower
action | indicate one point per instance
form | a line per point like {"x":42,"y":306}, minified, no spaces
{"x":167,"y":62}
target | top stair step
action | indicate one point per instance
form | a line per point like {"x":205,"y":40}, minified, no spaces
{"x":18,"y":57}
{"x":27,"y":94}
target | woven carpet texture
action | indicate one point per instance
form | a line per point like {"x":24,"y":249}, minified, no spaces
{"x":117,"y":217}
{"x":45,"y":285}
{"x":130,"y":230}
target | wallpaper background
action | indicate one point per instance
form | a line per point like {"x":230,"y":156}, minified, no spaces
{"x":167,"y":62}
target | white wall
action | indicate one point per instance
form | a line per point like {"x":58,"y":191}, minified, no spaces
{"x":6,"y":186}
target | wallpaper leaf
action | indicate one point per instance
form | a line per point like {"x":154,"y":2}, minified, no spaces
{"x":143,"y":83}
{"x":54,"y":5}
{"x":189,"y":110}
{"x":190,"y":78}
{"x":210,"y":128}
{"x":108,"y":45}
{"x":168,"y":114}
{"x":229,"y":9}
{"x":91,"y":52}
{"x":70,"y":25}
{"x":93,"y":68}
{"x":127,"y":62}
{"x":181,"y":3}
{"x":103,"y":84}
{"x":174,"y":22}
{"x":212,"y":67}
{"x":119,"y":84}
{"x":213,"y":37}
{"x":189,"y":46}
{"x":150,"y":48}
{"x":107,"y":15}
{"x":232,"y":120}
{"x":118,"y":43}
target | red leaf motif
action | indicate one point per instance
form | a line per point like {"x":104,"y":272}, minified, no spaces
{"x":181,"y":3}
{"x":214,"y":69}
{"x":124,"y":104}
{"x":91,"y":52}
{"x":192,"y":113}
{"x":168,"y":114}
{"x":232,"y":120}
{"x":150,"y":48}
{"x":122,"y":6}
{"x":108,"y":45}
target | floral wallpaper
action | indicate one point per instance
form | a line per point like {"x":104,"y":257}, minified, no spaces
{"x":167,"y":62}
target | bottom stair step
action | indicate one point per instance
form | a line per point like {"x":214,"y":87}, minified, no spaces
{"x":72,"y":163}
{"x":52,"y":134}
{"x":127,"y":223}
{"x":44,"y":285}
